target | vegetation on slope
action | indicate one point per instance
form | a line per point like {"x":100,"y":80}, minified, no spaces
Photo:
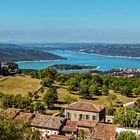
{"x":72,"y":67}
{"x":10,"y":54}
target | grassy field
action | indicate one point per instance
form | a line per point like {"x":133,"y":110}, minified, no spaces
{"x":19,"y":85}
{"x":23,"y":84}
{"x":97,"y":99}
{"x":101,"y":100}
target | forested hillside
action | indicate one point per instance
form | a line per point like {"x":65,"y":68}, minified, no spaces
{"x":20,"y":54}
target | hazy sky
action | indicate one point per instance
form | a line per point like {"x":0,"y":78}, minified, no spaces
{"x":70,"y":20}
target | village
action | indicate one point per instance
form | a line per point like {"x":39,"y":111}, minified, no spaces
{"x":81,"y":120}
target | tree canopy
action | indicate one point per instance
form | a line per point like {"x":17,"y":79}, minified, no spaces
{"x":126,"y":117}
{"x":126,"y":135}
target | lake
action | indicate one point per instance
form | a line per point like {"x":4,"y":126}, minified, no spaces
{"x":105,"y":62}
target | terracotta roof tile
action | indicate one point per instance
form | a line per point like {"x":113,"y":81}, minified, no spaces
{"x":105,"y":132}
{"x":84,"y":106}
{"x":47,"y":121}
{"x":24,"y":116}
{"x":100,"y":131}
{"x":70,"y":126}
{"x":87,"y":123}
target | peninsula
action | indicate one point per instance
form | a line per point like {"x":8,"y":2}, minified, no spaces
{"x":10,"y":54}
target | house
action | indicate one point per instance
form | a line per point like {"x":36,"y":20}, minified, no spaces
{"x":47,"y":124}
{"x":130,"y":104}
{"x":85,"y":111}
{"x":96,"y":130}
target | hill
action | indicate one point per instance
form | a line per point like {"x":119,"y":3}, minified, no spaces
{"x":20,"y":54}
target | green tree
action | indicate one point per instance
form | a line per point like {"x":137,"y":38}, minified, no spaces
{"x":62,"y":78}
{"x":5,"y":71}
{"x":36,"y":135}
{"x":115,"y":85}
{"x":48,"y":72}
{"x":11,"y":129}
{"x":12,"y":66}
{"x":61,"y":112}
{"x":69,"y":99}
{"x":136,"y":91}
{"x":93,"y":90}
{"x":1,"y":94}
{"x":126,"y":117}
{"x":126,"y":90}
{"x":50,"y":97}
{"x":97,"y":79}
{"x":84,"y":89}
{"x":47,"y":82}
{"x":30,"y":95}
{"x":111,"y":98}
{"x":39,"y":107}
{"x":126,"y":135}
{"x":105,"y":90}
{"x":7,"y":101}
{"x":73,"y":85}
{"x":18,"y":101}
{"x":110,"y":111}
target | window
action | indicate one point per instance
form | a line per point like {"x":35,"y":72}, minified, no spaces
{"x":108,"y":121}
{"x":75,"y":115}
{"x":55,"y":133}
{"x":94,"y":118}
{"x":87,"y":117}
{"x":80,"y":116}
{"x":68,"y":115}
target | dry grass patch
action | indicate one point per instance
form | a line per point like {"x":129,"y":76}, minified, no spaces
{"x":102,"y":100}
{"x":19,"y":85}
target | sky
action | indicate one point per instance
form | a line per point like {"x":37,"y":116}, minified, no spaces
{"x":70,"y":20}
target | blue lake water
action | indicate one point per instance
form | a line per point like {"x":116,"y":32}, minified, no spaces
{"x":104,"y":62}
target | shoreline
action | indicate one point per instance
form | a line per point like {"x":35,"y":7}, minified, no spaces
{"x":129,"y":57}
{"x":20,"y":62}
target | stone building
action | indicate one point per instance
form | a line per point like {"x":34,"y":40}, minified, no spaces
{"x":85,"y":111}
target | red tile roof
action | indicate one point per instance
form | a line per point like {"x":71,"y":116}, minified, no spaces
{"x":47,"y":121}
{"x":87,"y":123}
{"x":105,"y":132}
{"x":70,"y":126}
{"x":100,"y":131}
{"x":24,"y":116}
{"x":84,"y":106}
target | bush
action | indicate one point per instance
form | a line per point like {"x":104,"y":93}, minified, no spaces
{"x":126,"y":135}
{"x":110,"y":111}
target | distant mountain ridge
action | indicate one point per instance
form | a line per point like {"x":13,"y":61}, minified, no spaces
{"x":124,"y":50}
{"x":110,"y":49}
